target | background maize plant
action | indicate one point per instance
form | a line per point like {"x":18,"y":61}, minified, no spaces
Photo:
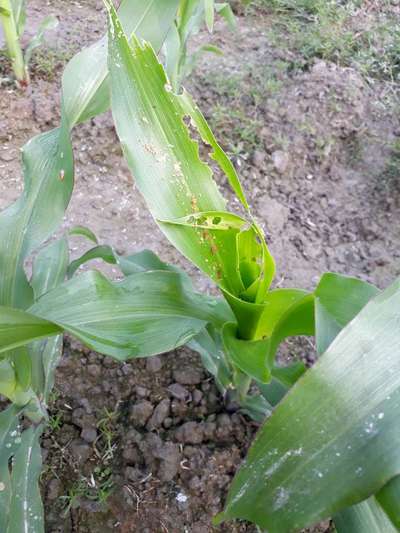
{"x":13,"y":20}
{"x":329,"y":440}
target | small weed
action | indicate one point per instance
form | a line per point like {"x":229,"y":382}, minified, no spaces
{"x":342,"y":32}
{"x":103,"y":483}
{"x":55,"y":421}
{"x":241,"y":91}
{"x":47,"y":62}
{"x":234,"y":124}
{"x":97,"y":488}
{"x":105,"y":444}
{"x":71,"y":499}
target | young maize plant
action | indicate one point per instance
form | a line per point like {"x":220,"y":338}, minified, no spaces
{"x":13,"y":20}
{"x":191,"y":16}
{"x":110,"y":317}
{"x":332,"y":440}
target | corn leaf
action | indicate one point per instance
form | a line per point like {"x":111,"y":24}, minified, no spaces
{"x":83,"y":231}
{"x":9,"y":442}
{"x":224,"y":9}
{"x":85,"y":83}
{"x":24,"y":225}
{"x":49,"y":271}
{"x":103,"y":252}
{"x":49,"y":267}
{"x":144,"y":261}
{"x":48,"y":23}
{"x":389,"y":500}
{"x":208,"y":345}
{"x":147,"y":313}
{"x":19,"y":12}
{"x":26,"y":510}
{"x":338,"y":300}
{"x":365,"y":517}
{"x":18,"y":328}
{"x":177,"y":185}
{"x":22,"y":365}
{"x":209,"y":14}
{"x":333,"y":441}
{"x":172,"y":53}
{"x":47,"y":159}
{"x":249,"y":356}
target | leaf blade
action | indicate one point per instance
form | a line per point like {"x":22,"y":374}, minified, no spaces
{"x":367,"y":413}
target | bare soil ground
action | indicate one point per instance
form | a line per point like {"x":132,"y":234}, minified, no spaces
{"x":150,"y":446}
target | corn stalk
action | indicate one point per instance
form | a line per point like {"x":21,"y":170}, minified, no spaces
{"x":191,"y":16}
{"x":12,"y":41}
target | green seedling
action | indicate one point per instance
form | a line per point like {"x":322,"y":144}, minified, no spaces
{"x":13,"y":21}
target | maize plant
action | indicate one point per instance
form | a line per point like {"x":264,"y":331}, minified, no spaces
{"x":30,"y":344}
{"x":13,"y":20}
{"x":330,"y":447}
{"x":191,"y":16}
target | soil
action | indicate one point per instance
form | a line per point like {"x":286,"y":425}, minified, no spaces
{"x":150,"y":446}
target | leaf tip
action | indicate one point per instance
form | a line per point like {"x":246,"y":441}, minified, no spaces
{"x":218,"y":519}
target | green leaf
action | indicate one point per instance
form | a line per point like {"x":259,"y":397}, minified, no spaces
{"x":257,"y":407}
{"x":8,"y":381}
{"x":338,"y":299}
{"x":48,"y":23}
{"x":208,"y":344}
{"x":18,"y":328}
{"x":9,"y":442}
{"x":209,"y":14}
{"x":165,"y":161}
{"x":143,"y":262}
{"x":23,"y":367}
{"x":224,"y":9}
{"x":333,"y":441}
{"x":389,"y":500}
{"x":172,"y":49}
{"x":250,"y":356}
{"x":49,"y":267}
{"x":26,"y":510}
{"x":103,"y":252}
{"x":283,"y":378}
{"x":147,"y":313}
{"x":365,"y":517}
{"x":49,"y":271}
{"x":83,"y":231}
{"x":192,"y":110}
{"x":19,"y":12}
{"x":288,"y":375}
{"x":85,"y":79}
{"x":48,"y":174}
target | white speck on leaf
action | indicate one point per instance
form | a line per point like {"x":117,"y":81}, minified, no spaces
{"x":281,"y":498}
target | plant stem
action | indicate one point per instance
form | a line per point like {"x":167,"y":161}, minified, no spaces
{"x":242,"y":383}
{"x":12,"y":41}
